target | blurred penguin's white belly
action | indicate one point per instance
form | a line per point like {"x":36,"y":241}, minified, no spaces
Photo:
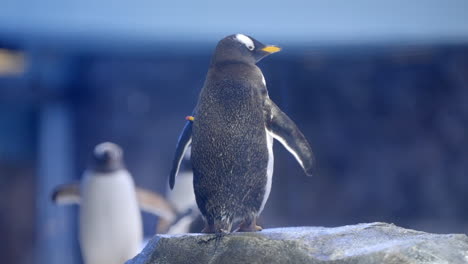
{"x":110,"y":220}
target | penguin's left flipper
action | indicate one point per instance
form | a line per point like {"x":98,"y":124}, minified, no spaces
{"x":67,"y":194}
{"x":154,"y":203}
{"x":283,"y":129}
{"x":185,"y":139}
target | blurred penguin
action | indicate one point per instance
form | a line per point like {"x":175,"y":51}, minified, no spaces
{"x":110,"y":221}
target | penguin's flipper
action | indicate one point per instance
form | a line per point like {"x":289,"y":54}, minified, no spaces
{"x":154,"y":203}
{"x":283,"y":129}
{"x":185,"y":139}
{"x":67,"y":194}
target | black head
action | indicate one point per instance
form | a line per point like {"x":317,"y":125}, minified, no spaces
{"x":241,"y":48}
{"x":107,"y":157}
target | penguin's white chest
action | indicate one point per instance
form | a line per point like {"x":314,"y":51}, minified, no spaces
{"x":110,"y":220}
{"x":269,"y":175}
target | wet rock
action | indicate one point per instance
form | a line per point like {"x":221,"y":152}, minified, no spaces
{"x":362,"y":243}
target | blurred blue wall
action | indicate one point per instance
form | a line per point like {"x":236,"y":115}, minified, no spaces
{"x":295,"y":21}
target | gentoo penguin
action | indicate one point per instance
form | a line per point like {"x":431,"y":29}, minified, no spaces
{"x":231,"y":134}
{"x":110,"y":221}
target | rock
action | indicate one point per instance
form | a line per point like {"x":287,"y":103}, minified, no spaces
{"x":363,"y":243}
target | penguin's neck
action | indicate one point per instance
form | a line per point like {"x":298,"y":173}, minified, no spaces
{"x":235,"y":68}
{"x":236,"y":72}
{"x":230,"y":63}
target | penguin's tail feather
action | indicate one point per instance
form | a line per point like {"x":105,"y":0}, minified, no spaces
{"x":223,"y":225}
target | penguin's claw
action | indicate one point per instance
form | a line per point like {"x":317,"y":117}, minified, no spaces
{"x":249,"y":227}
{"x":255,"y":228}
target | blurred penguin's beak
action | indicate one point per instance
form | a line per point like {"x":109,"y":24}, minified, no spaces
{"x":271,"y":49}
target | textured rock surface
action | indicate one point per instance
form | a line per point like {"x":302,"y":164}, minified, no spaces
{"x":363,"y":243}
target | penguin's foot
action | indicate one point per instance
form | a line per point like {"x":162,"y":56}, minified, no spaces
{"x":249,"y":226}
{"x":255,"y":228}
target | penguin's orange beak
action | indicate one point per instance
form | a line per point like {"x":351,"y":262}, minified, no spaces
{"x":271,"y":49}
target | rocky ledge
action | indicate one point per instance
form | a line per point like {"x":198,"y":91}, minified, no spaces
{"x":363,"y":243}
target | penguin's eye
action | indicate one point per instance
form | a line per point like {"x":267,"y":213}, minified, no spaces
{"x":250,"y":47}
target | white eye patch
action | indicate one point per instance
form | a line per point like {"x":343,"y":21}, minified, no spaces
{"x":246,"y":41}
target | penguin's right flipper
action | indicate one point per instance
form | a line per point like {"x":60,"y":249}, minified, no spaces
{"x":283,"y":129}
{"x":67,"y":194}
{"x":185,"y":139}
